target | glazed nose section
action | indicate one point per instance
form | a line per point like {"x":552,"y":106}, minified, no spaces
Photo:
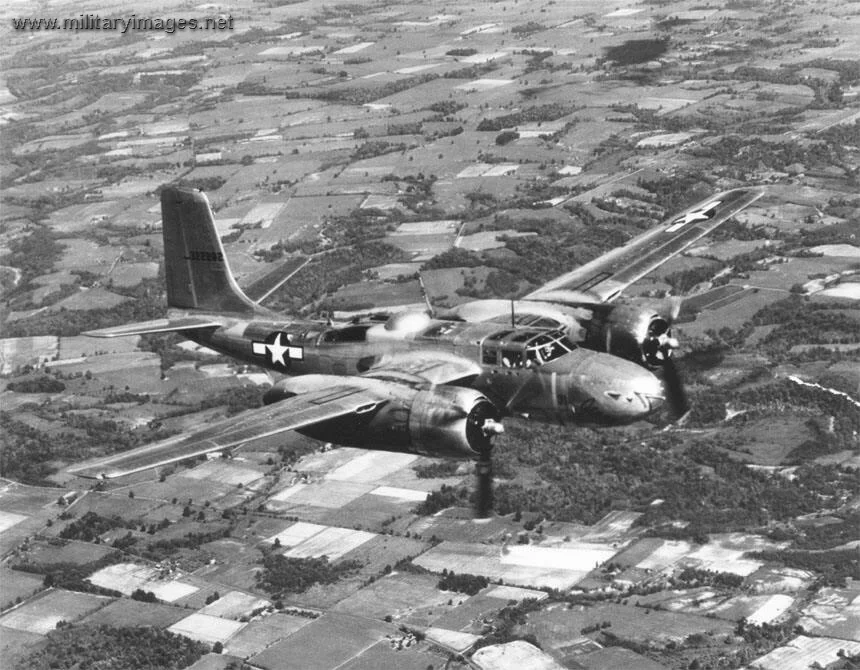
{"x":619,"y":390}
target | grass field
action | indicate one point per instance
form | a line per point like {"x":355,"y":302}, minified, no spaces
{"x":523,"y":565}
{"x":324,"y":643}
{"x":469,"y":613}
{"x":223,"y":472}
{"x":400,"y":595}
{"x":378,"y":294}
{"x":442,"y":285}
{"x":15,"y":584}
{"x":770,"y":441}
{"x":325,"y":494}
{"x":24,"y":500}
{"x":42,"y":614}
{"x":77,"y":553}
{"x":370,"y":512}
{"x":263,"y":633}
{"x":234,"y":605}
{"x":127,"y":612}
{"x":17,"y":352}
{"x":456,"y":641}
{"x":15,"y":644}
{"x":205,"y":628}
{"x":373,"y":556}
{"x":131,"y":274}
{"x":119,"y":504}
{"x":385,"y":655}
{"x":558,"y":627}
{"x":9,"y":519}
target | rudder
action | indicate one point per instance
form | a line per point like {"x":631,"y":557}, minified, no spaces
{"x":195,"y":266}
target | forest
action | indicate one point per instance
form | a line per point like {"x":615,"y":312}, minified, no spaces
{"x":462,"y":583}
{"x":121,"y":648}
{"x":588,"y":474}
{"x":282,"y":575}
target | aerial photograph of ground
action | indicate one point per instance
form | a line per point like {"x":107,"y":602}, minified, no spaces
{"x":365,"y":157}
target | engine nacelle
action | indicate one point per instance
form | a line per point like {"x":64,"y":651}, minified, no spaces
{"x":446,"y":421}
{"x":452,"y":421}
{"x":638,"y":331}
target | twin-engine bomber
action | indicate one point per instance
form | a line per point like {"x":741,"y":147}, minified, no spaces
{"x":436,"y":384}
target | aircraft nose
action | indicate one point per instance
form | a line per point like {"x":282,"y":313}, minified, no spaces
{"x":618,"y":389}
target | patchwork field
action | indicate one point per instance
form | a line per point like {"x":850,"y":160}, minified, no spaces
{"x":324,"y":643}
{"x":397,"y":119}
{"x":223,"y":471}
{"x":76,"y":553}
{"x":234,"y":605}
{"x":523,"y":565}
{"x":386,"y":655}
{"x":205,"y":628}
{"x":128,"y":577}
{"x":559,"y":627}
{"x":263,"y":633}
{"x":724,"y":553}
{"x":127,"y":612}
{"x":15,"y":584}
{"x":803,"y":652}
{"x":399,"y":595}
{"x":834,"y":613}
{"x":42,"y":614}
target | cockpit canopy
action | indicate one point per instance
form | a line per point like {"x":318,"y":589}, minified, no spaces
{"x":524,"y":348}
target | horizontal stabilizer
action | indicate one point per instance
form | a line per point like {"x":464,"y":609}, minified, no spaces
{"x":155,"y":326}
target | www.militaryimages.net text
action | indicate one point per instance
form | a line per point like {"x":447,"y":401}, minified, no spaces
{"x":84,"y":22}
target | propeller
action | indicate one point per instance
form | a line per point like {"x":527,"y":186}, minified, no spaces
{"x":484,"y":489}
{"x":675,"y":393}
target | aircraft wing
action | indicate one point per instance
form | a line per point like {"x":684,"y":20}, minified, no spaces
{"x":605,"y":277}
{"x":156,"y":326}
{"x":289,"y":414}
{"x":425,"y":367}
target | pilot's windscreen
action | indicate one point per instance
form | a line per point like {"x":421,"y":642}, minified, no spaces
{"x":548,"y":348}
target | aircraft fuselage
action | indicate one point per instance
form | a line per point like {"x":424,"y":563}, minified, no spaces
{"x":524,"y":370}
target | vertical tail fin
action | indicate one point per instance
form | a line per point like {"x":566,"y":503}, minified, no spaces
{"x":196,"y":270}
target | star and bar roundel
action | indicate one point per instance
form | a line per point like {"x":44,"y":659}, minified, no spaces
{"x":278,"y":349}
{"x":703,"y":213}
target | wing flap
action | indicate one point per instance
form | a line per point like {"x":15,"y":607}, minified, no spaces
{"x":156,"y":326}
{"x":290,"y":414}
{"x":605,"y":277}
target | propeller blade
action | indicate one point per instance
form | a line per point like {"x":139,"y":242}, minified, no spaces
{"x":484,"y":491}
{"x":675,"y":393}
{"x":675,"y":303}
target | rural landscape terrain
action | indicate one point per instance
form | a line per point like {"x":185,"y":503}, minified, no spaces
{"x":365,"y":156}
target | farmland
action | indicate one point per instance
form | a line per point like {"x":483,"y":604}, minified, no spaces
{"x":363,"y":158}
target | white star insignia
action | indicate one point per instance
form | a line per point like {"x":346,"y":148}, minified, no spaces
{"x":701,"y":214}
{"x":277,"y":350}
